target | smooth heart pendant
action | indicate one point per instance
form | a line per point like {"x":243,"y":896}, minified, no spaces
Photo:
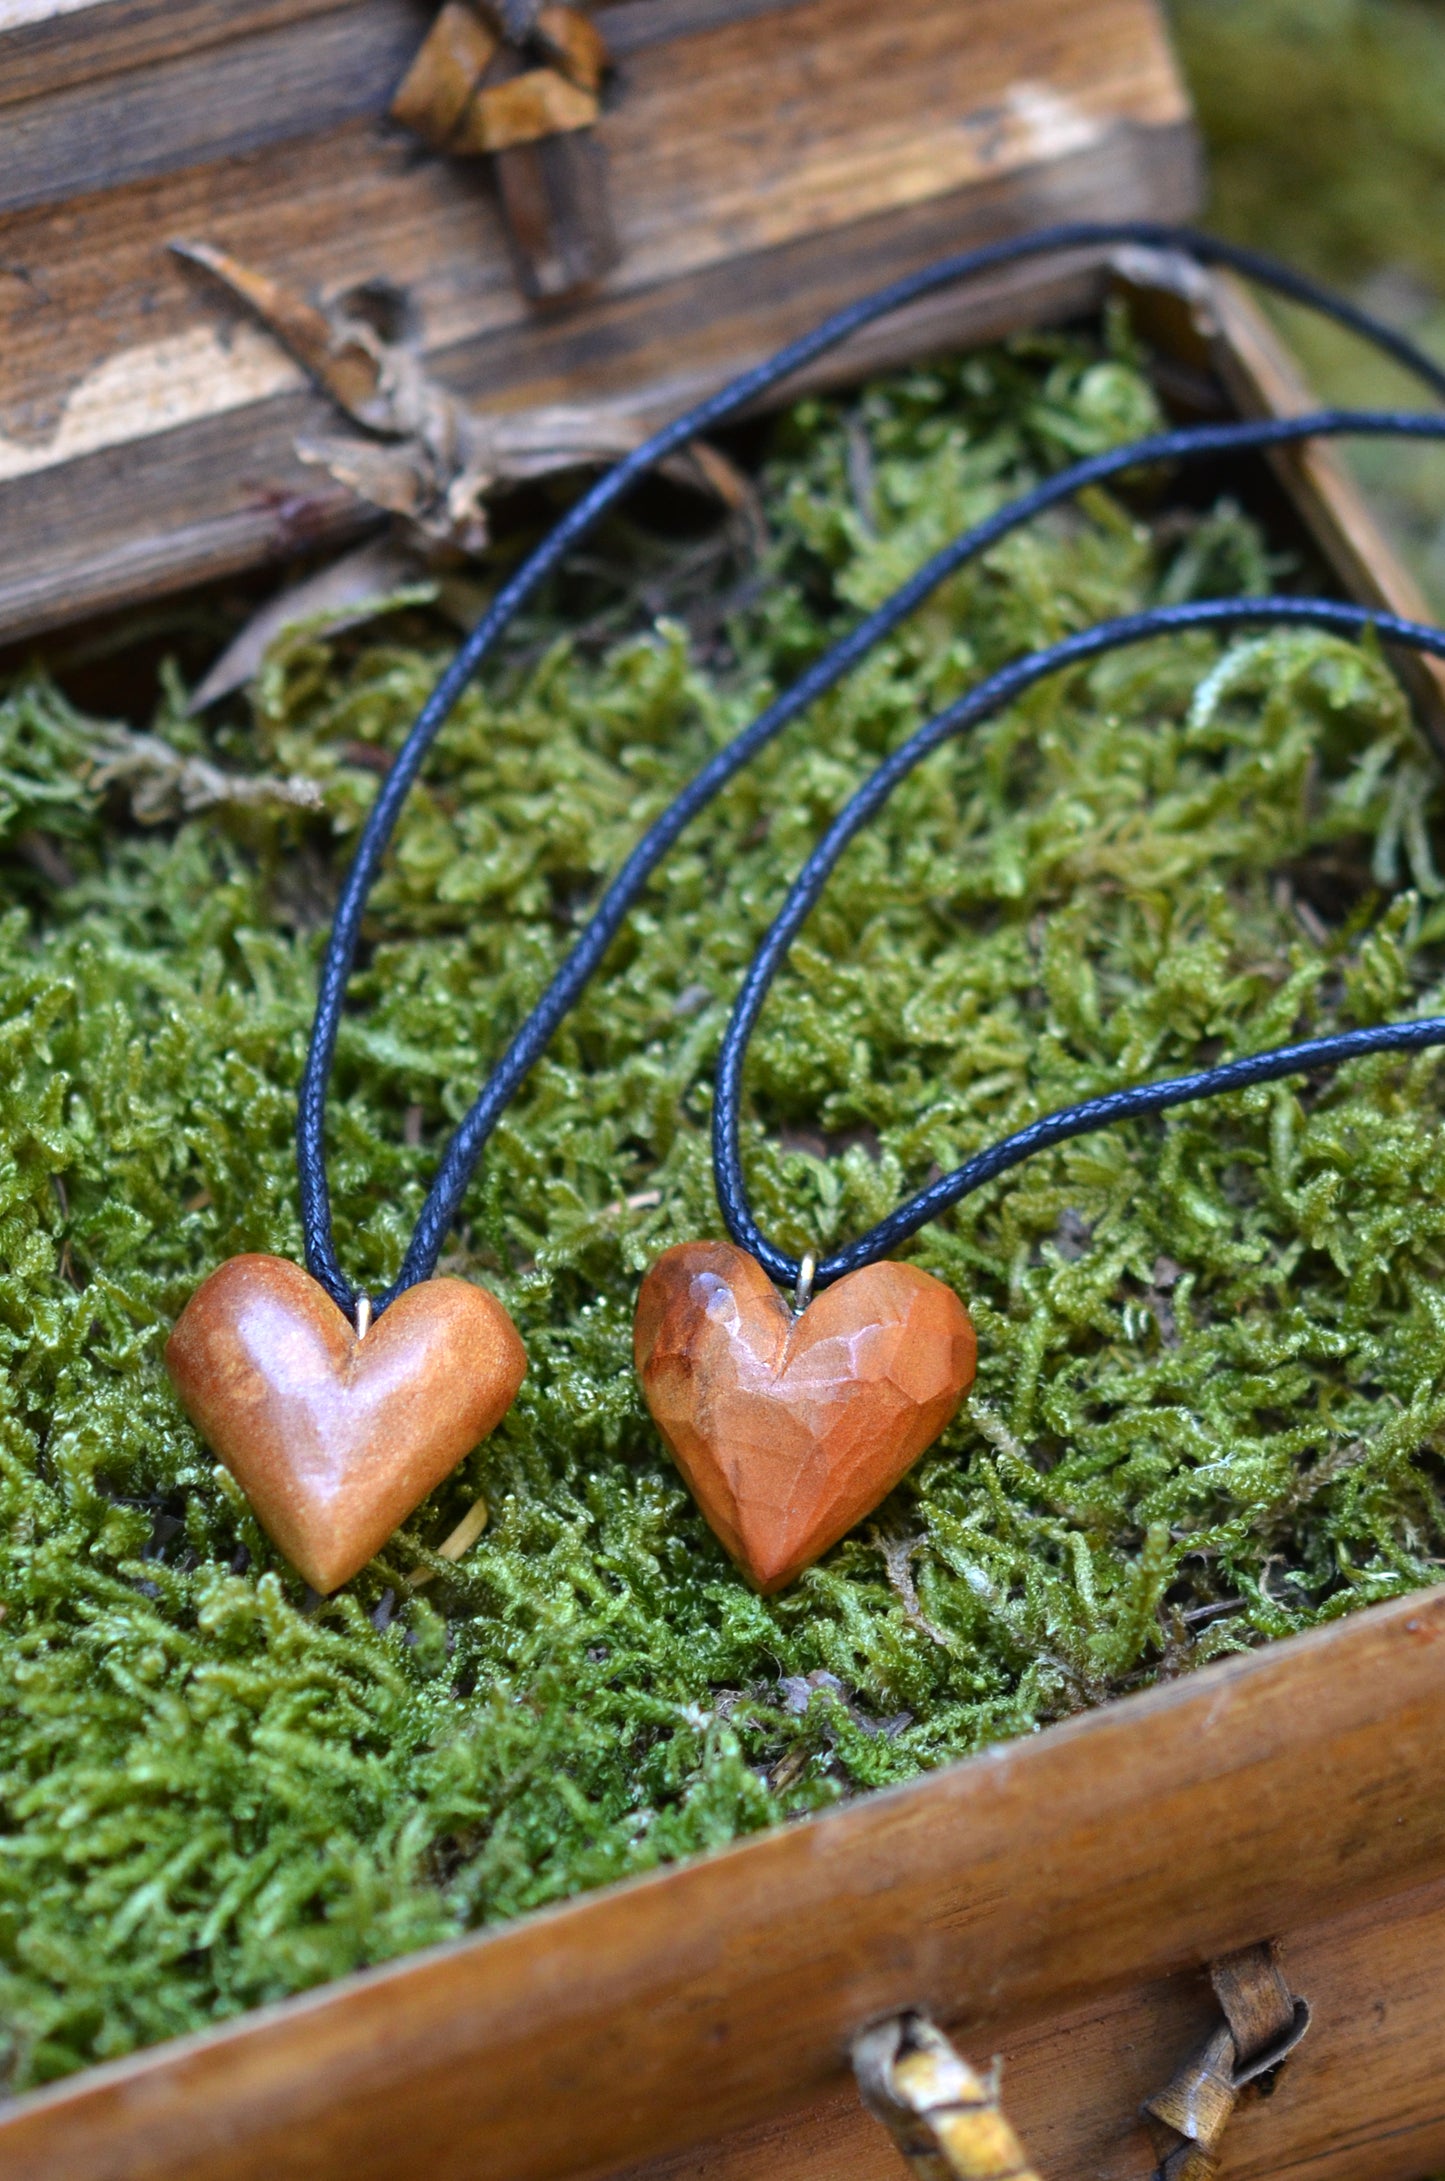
{"x":333,"y":1437}
{"x":790,"y":1430}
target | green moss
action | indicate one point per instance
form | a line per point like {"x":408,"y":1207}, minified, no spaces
{"x":1212,"y":1387}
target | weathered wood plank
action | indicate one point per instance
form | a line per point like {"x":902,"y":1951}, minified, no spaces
{"x":1269,"y":1794}
{"x":744,"y":143}
{"x":234,"y":494}
{"x":54,"y":45}
{"x":297,"y":79}
{"x":632,"y":24}
{"x":759,"y":171}
{"x":113,"y":99}
{"x":1363,"y":2096}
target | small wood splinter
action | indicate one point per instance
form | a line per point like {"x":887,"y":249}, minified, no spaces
{"x":455,"y":1544}
{"x":943,"y":2115}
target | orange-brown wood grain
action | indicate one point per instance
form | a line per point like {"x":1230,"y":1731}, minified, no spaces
{"x":337,"y":1432}
{"x":1361,"y":2099}
{"x":790,"y":1429}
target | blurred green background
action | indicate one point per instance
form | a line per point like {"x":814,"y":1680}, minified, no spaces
{"x":1325,"y":124}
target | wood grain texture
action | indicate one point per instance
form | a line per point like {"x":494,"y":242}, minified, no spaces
{"x":1300,"y":1785}
{"x":334,"y":1437}
{"x":632,"y":24}
{"x":1362,"y":2099}
{"x":742,"y":139}
{"x":223,"y":492}
{"x":297,"y":79}
{"x":760,"y":168}
{"x":789,"y":1429}
{"x":54,"y":47}
{"x":48,"y":48}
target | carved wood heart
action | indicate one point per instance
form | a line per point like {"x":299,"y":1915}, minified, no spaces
{"x":335,"y":1439}
{"x":790,"y":1430}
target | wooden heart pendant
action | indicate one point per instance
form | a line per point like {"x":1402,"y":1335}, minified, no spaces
{"x":789,"y":1430}
{"x":334,"y":1439}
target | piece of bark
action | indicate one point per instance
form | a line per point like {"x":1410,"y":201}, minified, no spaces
{"x":558,"y":205}
{"x":429,"y":458}
{"x":342,"y":356}
{"x":575,"y":43}
{"x":790,"y":1430}
{"x":517,"y":88}
{"x":553,"y":183}
{"x":438,"y":87}
{"x":538,"y":103}
{"x":944,"y":2117}
{"x":335,"y":1436}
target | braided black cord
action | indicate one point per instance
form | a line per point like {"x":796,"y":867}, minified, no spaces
{"x":534,"y":1034}
{"x":459,"y":1160}
{"x":989,"y":698}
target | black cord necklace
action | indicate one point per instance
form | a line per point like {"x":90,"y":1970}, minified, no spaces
{"x":459,"y":1160}
{"x":338,"y":1415}
{"x":791,"y":1428}
{"x":983,"y":703}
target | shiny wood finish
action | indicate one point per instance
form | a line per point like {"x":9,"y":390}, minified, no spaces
{"x":789,"y":1430}
{"x":763,"y":165}
{"x":1052,"y":1885}
{"x":335,"y":1438}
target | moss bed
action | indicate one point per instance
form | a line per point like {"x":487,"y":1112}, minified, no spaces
{"x":1212,"y":1383}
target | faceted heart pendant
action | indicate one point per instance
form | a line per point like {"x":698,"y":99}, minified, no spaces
{"x":790,"y":1430}
{"x":335,"y":1438}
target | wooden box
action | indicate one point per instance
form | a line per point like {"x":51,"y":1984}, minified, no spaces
{"x":1053,"y":1902}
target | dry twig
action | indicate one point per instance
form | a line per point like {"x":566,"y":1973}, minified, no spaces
{"x":162,"y":782}
{"x":428,"y":458}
